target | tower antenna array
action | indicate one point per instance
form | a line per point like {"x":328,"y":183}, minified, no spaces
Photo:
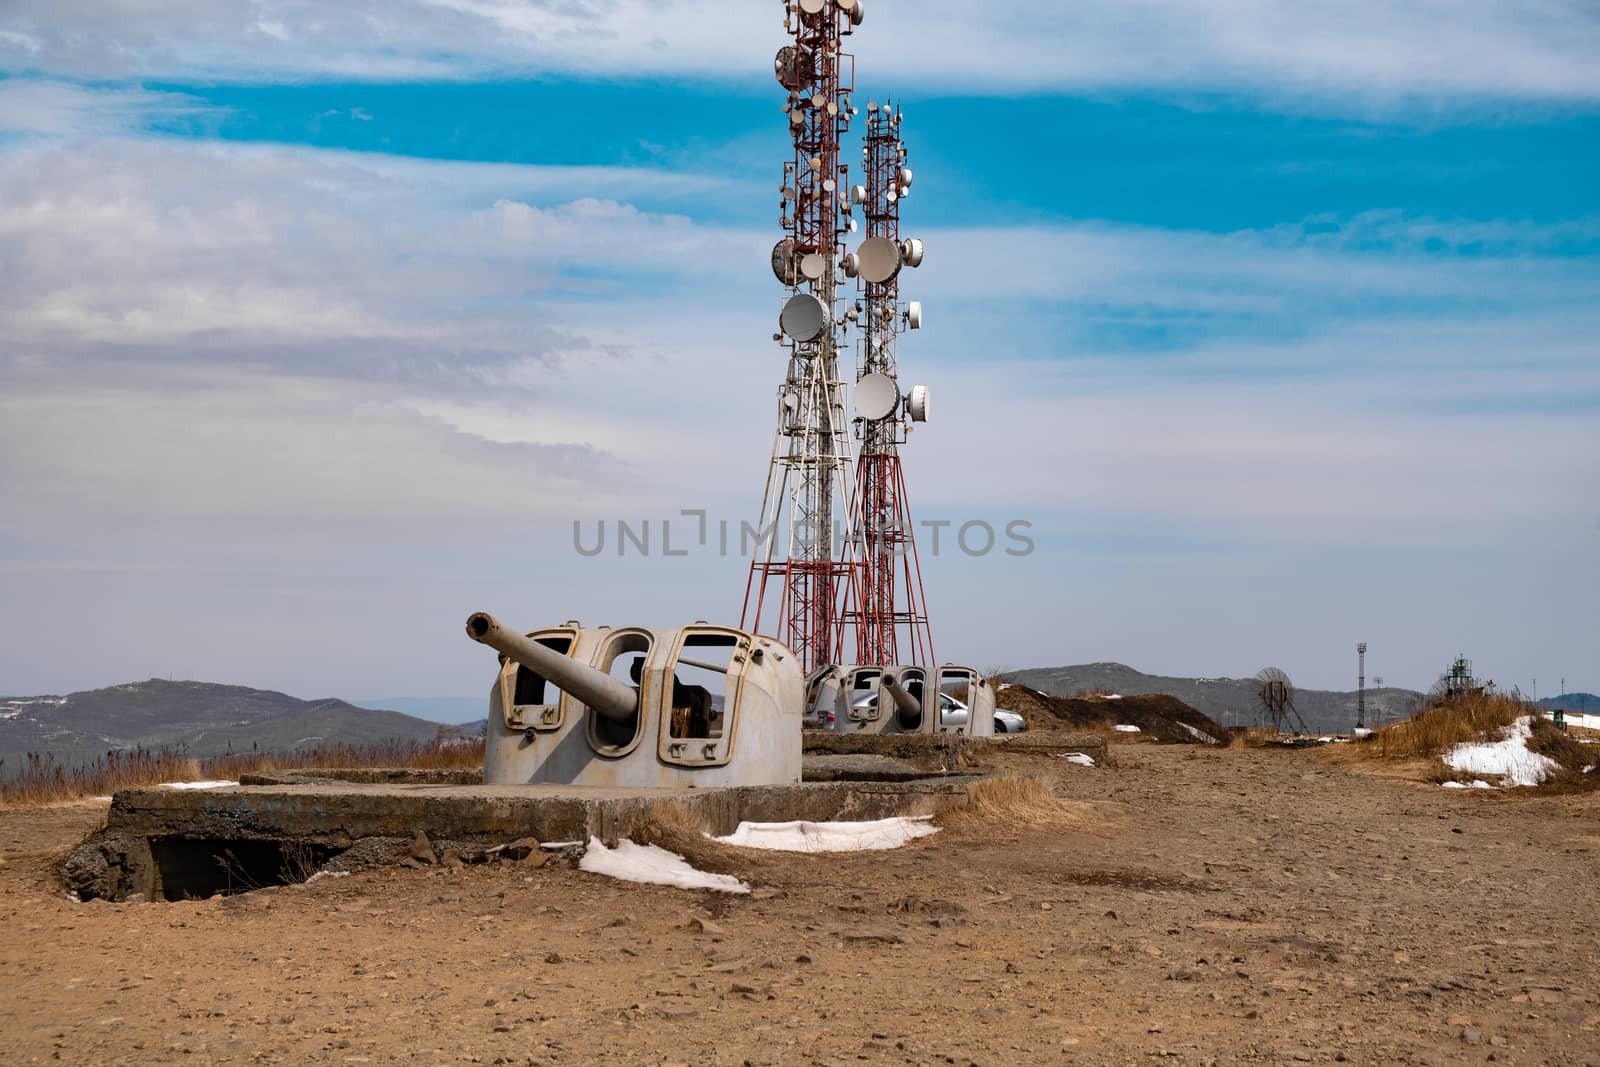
{"x":803,"y":559}
{"x":887,"y":600}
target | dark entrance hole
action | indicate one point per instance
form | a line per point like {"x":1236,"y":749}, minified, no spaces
{"x":192,"y":868}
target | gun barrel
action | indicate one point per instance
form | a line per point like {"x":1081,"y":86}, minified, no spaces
{"x":910,"y":707}
{"x":598,"y":690}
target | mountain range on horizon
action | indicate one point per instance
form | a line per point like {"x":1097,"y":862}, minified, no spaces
{"x":1235,"y":701}
{"x":205,"y":719}
{"x":199,"y":718}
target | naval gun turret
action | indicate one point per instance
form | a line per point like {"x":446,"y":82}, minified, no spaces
{"x":898,"y":700}
{"x":702,"y":705}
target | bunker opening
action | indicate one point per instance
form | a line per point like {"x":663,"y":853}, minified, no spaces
{"x":189,"y":868}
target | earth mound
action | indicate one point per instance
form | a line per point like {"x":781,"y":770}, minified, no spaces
{"x":1158,"y":717}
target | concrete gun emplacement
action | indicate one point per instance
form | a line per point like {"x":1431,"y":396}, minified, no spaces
{"x":701,"y":705}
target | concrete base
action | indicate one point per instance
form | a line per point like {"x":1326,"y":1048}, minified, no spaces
{"x":161,"y":843}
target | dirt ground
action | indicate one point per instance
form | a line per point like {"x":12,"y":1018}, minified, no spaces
{"x":1207,"y":906}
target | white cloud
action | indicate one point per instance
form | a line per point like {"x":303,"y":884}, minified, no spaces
{"x":266,"y":385}
{"x":51,"y":108}
{"x":1364,"y":50}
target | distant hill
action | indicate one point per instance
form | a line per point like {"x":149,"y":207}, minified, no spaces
{"x":453,"y":711}
{"x":1230,"y":701}
{"x":1578,"y":703}
{"x":202,"y":718}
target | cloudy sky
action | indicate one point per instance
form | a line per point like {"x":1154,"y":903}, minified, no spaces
{"x":321,"y":325}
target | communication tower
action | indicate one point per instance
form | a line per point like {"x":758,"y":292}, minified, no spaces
{"x":804,"y":557}
{"x":887,"y":601}
{"x":1361,"y":686}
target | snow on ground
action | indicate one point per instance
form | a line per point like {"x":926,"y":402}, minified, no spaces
{"x":1079,"y":758}
{"x":1124,"y":728}
{"x":650,"y":865}
{"x":198,"y":785}
{"x":829,"y":836}
{"x":1112,"y":696}
{"x":1583,"y":722}
{"x":1508,"y":759}
{"x":1200,"y":735}
{"x":1479,"y":784}
{"x":1362,"y":732}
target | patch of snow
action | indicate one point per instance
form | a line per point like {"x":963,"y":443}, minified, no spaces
{"x":1476,"y":784}
{"x":557,"y":846}
{"x":1508,"y":759}
{"x":876,"y":836}
{"x":650,"y":865}
{"x":1124,"y":728}
{"x":1112,"y":696}
{"x":198,"y":785}
{"x":327,"y":874}
{"x":1583,"y":722}
{"x":1002,"y":687}
{"x":1079,"y":758}
{"x":1200,"y":735}
{"x":1361,"y":732}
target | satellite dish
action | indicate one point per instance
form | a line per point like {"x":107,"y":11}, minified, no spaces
{"x":852,"y":265}
{"x":911,"y":251}
{"x":877,"y":396}
{"x":785,"y":264}
{"x":804,"y":317}
{"x":914,"y":315}
{"x":847,"y":5}
{"x":812,"y":7}
{"x":792,"y":67}
{"x":880,"y":259}
{"x":917,"y":402}
{"x":857,"y":13}
{"x":858,"y":194}
{"x":905,"y":177}
{"x":813,"y":265}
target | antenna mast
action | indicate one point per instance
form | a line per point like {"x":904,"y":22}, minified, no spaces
{"x":888,"y":597}
{"x":809,"y":478}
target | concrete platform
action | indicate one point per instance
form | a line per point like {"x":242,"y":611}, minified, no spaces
{"x":170,"y":844}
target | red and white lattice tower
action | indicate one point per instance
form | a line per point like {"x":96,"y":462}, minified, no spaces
{"x":803,"y":559}
{"x":887,"y":607}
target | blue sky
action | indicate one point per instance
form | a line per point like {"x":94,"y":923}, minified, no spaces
{"x":322,"y":326}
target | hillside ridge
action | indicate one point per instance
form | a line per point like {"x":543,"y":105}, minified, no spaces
{"x":201,"y":718}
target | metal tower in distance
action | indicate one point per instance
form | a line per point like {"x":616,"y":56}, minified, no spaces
{"x":1361,"y":686}
{"x":802,"y":557}
{"x":886,"y":601}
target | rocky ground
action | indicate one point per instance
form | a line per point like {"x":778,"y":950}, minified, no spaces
{"x":1197,"y":906}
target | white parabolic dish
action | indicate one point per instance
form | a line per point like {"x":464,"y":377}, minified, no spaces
{"x":804,"y":317}
{"x":880,"y":259}
{"x":918,"y":402}
{"x":877,"y":396}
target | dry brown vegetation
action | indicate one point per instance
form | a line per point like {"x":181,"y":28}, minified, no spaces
{"x":43,"y":780}
{"x":1016,"y":803}
{"x":1435,"y":730}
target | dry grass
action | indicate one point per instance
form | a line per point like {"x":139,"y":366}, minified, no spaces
{"x":1017,"y":804}
{"x":1572,"y":755}
{"x":1435,"y":730}
{"x":43,"y":780}
{"x":1253,"y":737}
